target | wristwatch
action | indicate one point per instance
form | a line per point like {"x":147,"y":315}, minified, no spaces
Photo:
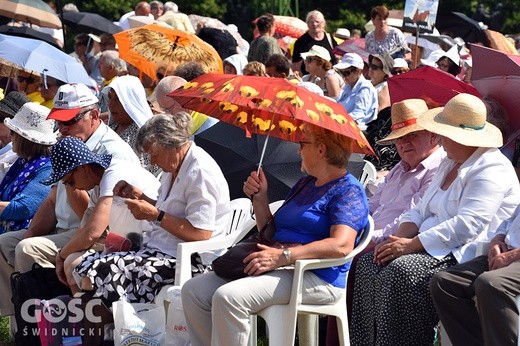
{"x":159,"y":218}
{"x":287,"y":254}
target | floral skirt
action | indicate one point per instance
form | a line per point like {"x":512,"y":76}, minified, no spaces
{"x":133,"y":276}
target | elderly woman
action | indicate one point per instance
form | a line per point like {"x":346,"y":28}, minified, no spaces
{"x":316,"y":35}
{"x":359,"y":97}
{"x":193,"y":204}
{"x":379,"y":67}
{"x":384,"y":38}
{"x":321,"y":73}
{"x":475,"y":189}
{"x":21,"y":193}
{"x":129,"y":110}
{"x":325,"y":212}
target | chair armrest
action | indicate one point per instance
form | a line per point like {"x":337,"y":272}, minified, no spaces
{"x":186,"y":249}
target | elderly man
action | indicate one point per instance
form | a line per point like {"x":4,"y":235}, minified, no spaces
{"x":316,"y":35}
{"x":76,"y":113}
{"x":176,"y":19}
{"x":141,"y":9}
{"x":494,"y":280}
{"x":167,"y":104}
{"x":404,"y":185}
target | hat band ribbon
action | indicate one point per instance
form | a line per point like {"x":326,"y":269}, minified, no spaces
{"x":404,"y":124}
{"x":472,"y":127}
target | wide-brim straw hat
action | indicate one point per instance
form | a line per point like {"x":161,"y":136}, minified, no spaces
{"x":404,"y":119}
{"x":31,"y":123}
{"x":463,"y":120}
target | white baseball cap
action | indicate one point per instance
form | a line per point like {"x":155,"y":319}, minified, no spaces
{"x":70,"y":99}
{"x":348,"y":60}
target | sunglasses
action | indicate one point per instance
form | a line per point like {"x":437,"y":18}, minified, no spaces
{"x":346,"y":73}
{"x":398,"y":71}
{"x":375,"y":67}
{"x":309,"y":59}
{"x":74,"y":120}
{"x":28,"y":80}
{"x":159,"y":76}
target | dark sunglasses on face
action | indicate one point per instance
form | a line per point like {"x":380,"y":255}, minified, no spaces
{"x":375,"y":67}
{"x":159,"y":76}
{"x":309,"y":59}
{"x":28,"y":80}
{"x":346,"y":73}
{"x":74,"y":120}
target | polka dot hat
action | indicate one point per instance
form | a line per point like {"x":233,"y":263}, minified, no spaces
{"x":70,"y":153}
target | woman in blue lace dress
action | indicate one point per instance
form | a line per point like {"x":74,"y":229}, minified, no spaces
{"x":324,"y":212}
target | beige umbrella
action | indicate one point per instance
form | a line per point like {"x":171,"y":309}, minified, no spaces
{"x":30,"y":11}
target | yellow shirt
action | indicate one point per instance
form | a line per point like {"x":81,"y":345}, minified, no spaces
{"x":49,"y":103}
{"x":36,"y":97}
{"x":198,"y":120}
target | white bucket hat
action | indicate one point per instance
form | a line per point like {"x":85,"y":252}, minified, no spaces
{"x":31,"y":123}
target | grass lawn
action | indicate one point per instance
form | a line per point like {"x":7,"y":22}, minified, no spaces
{"x":4,"y":332}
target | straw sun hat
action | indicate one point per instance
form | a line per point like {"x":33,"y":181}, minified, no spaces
{"x":404,"y":119}
{"x":463,"y":120}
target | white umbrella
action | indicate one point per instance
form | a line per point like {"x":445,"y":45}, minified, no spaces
{"x":43,"y":58}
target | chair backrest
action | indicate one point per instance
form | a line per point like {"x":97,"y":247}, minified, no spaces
{"x":365,"y":238}
{"x":274,"y":206}
{"x":369,"y":174}
{"x":240,"y":211}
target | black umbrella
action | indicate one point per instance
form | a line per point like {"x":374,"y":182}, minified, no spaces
{"x":24,"y":31}
{"x":238,"y":156}
{"x":87,"y":22}
{"x":459,"y":25}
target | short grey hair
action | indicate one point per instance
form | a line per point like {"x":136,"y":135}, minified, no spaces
{"x":165,"y":130}
{"x":171,"y":6}
{"x":166,"y":86}
{"x":314,"y":13}
{"x":112,"y":59}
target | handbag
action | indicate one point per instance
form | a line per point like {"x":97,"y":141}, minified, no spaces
{"x":231,"y":264}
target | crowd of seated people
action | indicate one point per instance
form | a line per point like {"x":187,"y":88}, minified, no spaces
{"x":445,"y":214}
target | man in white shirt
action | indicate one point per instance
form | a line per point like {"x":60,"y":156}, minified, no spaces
{"x":141,"y":9}
{"x":76,"y":113}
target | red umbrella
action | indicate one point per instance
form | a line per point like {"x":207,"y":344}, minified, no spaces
{"x":267,"y":106}
{"x":427,"y":82}
{"x":353,"y":46}
{"x":288,"y":26}
{"x":497,"y":74}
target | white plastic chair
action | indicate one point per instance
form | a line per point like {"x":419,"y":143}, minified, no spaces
{"x":369,"y":174}
{"x":281,"y":319}
{"x":239,"y":225}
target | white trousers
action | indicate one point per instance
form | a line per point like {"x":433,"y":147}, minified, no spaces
{"x":217,"y":310}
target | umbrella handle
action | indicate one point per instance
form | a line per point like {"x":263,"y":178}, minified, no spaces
{"x":263,"y":153}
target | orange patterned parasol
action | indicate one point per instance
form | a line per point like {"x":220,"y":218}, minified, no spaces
{"x":267,"y":106}
{"x":152,"y":45}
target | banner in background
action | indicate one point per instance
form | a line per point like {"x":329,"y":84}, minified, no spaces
{"x":422,"y":13}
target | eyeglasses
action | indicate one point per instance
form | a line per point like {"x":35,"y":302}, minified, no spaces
{"x":346,"y":73}
{"x":398,"y":71}
{"x":74,"y":120}
{"x":309,"y":59}
{"x":302,"y":143}
{"x":28,"y":80}
{"x":446,"y":66}
{"x":375,"y":67}
{"x":159,"y":76}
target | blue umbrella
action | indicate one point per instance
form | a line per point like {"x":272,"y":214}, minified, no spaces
{"x":42,"y":58}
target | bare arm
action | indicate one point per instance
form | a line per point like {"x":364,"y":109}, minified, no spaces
{"x":255,"y":187}
{"x":44,"y":221}
{"x":179,"y":227}
{"x":3,"y":205}
{"x":339,"y":244}
{"x":92,"y":230}
{"x":333,"y":86}
{"x":125,"y":190}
